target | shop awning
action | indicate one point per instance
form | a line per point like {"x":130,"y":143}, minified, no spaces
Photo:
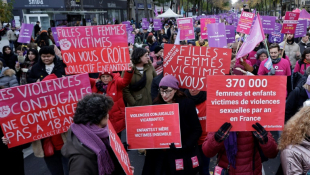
{"x":69,"y":12}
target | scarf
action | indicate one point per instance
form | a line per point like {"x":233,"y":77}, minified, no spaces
{"x":102,"y":87}
{"x":231,"y":148}
{"x":23,"y":77}
{"x":96,"y":139}
{"x":199,"y":98}
{"x":275,"y":61}
{"x":306,"y":61}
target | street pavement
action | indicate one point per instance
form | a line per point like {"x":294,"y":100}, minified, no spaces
{"x":37,"y":166}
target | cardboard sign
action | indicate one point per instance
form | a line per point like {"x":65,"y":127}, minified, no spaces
{"x":276,"y":37}
{"x":185,"y":25}
{"x":268,"y":23}
{"x":91,"y":49}
{"x":192,"y":64}
{"x":301,"y":29}
{"x":290,"y":23}
{"x":119,"y":150}
{"x":217,"y":35}
{"x":39,"y":110}
{"x":129,"y":28}
{"x":203,"y":26}
{"x":245,"y":22}
{"x":277,"y":27}
{"x":245,"y":100}
{"x":150,"y":127}
{"x":131,"y":38}
{"x":157,"y":24}
{"x":145,"y":25}
{"x":25,"y":33}
{"x":230,"y":33}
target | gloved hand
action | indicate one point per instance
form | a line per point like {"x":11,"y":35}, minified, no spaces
{"x":223,"y":132}
{"x":272,"y":71}
{"x":159,"y":63}
{"x":260,"y":133}
{"x":172,"y":147}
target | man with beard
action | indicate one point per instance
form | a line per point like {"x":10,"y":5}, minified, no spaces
{"x":280,"y":66}
{"x":292,"y":49}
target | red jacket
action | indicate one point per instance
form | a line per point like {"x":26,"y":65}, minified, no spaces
{"x":244,"y":158}
{"x":115,"y":90}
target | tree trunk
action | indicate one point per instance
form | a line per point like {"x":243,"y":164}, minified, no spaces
{"x":265,"y":8}
{"x":128,"y":10}
{"x":146,"y":13}
{"x":207,"y":8}
{"x":187,"y":9}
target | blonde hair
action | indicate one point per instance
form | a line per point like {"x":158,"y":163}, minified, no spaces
{"x":296,"y":129}
{"x":306,"y":86}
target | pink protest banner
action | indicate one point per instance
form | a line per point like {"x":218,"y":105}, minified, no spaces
{"x":290,"y":23}
{"x":119,"y":150}
{"x":203,"y":26}
{"x":39,"y":110}
{"x":245,"y":22}
{"x":186,"y":28}
{"x":90,"y":49}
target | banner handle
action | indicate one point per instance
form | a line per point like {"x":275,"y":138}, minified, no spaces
{"x":239,"y":42}
{"x":284,"y":45}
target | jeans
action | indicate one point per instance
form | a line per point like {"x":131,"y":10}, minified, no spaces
{"x":204,"y":165}
{"x":12,"y":44}
{"x":57,"y":164}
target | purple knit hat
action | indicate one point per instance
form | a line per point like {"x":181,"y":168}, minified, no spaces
{"x":169,"y":81}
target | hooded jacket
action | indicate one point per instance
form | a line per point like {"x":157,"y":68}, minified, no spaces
{"x":10,"y":60}
{"x":295,"y":159}
{"x":8,"y":78}
{"x":38,"y":70}
{"x":115,"y":90}
{"x":290,"y":51}
{"x":206,"y":44}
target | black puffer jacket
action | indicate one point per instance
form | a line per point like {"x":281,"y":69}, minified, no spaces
{"x":38,"y":70}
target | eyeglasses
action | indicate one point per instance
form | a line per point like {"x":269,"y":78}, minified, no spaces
{"x":167,"y":92}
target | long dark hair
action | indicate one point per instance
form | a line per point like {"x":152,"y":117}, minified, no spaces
{"x":35,"y":52}
{"x":3,"y":50}
{"x":178,"y":95}
{"x":306,"y":51}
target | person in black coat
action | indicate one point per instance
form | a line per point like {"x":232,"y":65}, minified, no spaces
{"x":9,"y":57}
{"x":296,"y":99}
{"x":162,"y":161}
{"x":48,"y":64}
{"x":12,"y":160}
{"x":155,"y":85}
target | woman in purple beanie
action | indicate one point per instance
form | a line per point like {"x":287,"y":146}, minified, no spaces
{"x":163,"y":161}
{"x":87,"y":147}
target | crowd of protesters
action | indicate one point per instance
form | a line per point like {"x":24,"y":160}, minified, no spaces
{"x":85,"y":148}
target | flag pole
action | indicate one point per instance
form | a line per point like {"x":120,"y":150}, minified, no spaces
{"x":239,"y":42}
{"x":267,"y":46}
{"x":284,"y":46}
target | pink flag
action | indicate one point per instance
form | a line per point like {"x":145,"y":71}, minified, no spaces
{"x":256,"y":36}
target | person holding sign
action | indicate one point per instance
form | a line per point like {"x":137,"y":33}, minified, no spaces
{"x":138,"y":92}
{"x":48,"y":64}
{"x":112,"y":84}
{"x":87,"y":147}
{"x":32,"y":57}
{"x":238,"y":152}
{"x":183,"y":160}
{"x":295,"y":144}
{"x":292,"y":49}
